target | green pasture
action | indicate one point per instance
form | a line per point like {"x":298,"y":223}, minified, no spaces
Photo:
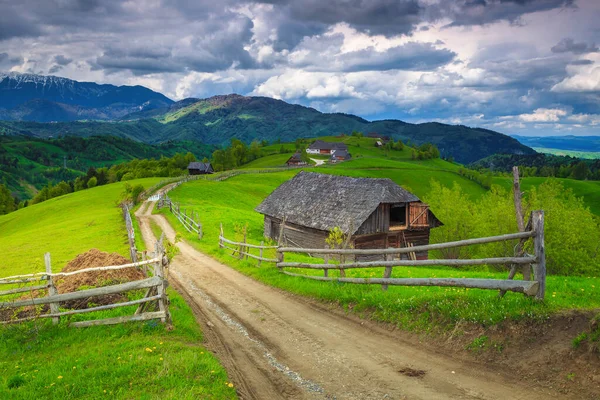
{"x":130,"y":361}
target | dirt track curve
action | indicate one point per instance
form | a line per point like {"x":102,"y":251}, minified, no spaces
{"x":275,"y":345}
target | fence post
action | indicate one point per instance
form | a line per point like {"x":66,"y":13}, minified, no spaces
{"x":280,"y":253}
{"x":387,"y":273}
{"x":161,"y":288}
{"x":51,"y":288}
{"x":539,"y":268}
{"x":262,"y":243}
{"x":221,"y":237}
{"x":240,"y":255}
{"x":326,"y":261}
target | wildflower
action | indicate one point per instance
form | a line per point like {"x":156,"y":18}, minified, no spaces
{"x":60,"y":377}
{"x":161,"y":359}
{"x":161,"y":343}
{"x":74,"y":367}
{"x":148,"y":349}
{"x":230,"y":385}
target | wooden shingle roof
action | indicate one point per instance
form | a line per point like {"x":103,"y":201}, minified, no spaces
{"x":322,"y":201}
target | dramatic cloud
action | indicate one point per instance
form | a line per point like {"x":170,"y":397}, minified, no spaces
{"x":511,"y":65}
{"x":568,"y":45}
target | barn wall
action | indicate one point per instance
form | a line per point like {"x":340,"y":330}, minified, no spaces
{"x":295,"y":235}
{"x":378,"y":221}
{"x":392,"y":239}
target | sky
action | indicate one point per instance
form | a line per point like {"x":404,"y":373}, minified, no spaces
{"x":528,"y":67}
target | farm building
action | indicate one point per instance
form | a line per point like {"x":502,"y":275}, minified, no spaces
{"x":376,"y":212}
{"x":296,"y":159}
{"x":200,"y":168}
{"x":321,"y":147}
{"x":339,"y":155}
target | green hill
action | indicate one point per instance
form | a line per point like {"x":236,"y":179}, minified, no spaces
{"x":219,"y":119}
{"x":120,"y":361}
{"x":27,"y":163}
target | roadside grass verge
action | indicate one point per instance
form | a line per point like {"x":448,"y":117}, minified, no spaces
{"x":126,"y":361}
{"x":232,"y":203}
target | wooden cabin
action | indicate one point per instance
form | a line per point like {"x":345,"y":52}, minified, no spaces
{"x":200,"y":168}
{"x":339,"y":155}
{"x":322,"y":147}
{"x":376,"y":212}
{"x":295,"y":160}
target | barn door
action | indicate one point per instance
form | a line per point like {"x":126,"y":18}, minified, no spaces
{"x":418,"y":215}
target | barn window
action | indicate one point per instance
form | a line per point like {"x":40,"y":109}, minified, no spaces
{"x":398,"y":215}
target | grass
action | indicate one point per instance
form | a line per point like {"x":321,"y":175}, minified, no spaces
{"x":64,"y":226}
{"x":128,"y":361}
{"x":232,"y":203}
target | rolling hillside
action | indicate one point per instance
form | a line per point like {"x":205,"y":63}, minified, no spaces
{"x":138,"y":360}
{"x":219,"y":119}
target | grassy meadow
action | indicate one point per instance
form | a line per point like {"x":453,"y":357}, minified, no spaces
{"x":232,"y":202}
{"x":131,"y":361}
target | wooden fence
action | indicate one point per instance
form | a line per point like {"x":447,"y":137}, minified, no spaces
{"x":243,"y":248}
{"x":534,"y":230}
{"x":190,"y":222}
{"x":156,"y":292}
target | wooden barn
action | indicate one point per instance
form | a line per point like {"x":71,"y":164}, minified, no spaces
{"x":295,"y":160}
{"x":376,"y":212}
{"x":200,"y":168}
{"x":339,"y":155}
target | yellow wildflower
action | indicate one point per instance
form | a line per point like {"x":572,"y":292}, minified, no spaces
{"x":230,"y":385}
{"x":60,"y":377}
{"x":148,"y":349}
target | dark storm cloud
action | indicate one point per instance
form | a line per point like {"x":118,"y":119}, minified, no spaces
{"x":568,"y":45}
{"x":13,"y":24}
{"x":581,"y":62}
{"x":481,"y":12}
{"x":62,"y":60}
{"x":7,"y":61}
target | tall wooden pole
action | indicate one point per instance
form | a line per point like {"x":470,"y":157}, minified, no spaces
{"x":537,"y":218}
{"x":51,"y":288}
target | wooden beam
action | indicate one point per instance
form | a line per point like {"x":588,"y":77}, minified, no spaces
{"x":416,"y":249}
{"x":109,"y":268}
{"x":119,"y":320}
{"x":23,"y":289}
{"x":123,"y":287}
{"x":52,"y":292}
{"x":85,"y":310}
{"x":539,"y":269}
{"x":410,"y":263}
{"x":527,"y":287}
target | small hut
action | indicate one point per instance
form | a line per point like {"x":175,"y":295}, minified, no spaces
{"x":322,"y":147}
{"x":339,"y":155}
{"x":200,"y":168}
{"x":295,"y":160}
{"x":377,"y":213}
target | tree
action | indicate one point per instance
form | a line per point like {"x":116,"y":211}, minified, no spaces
{"x":580,"y":171}
{"x":92,"y":182}
{"x":7,"y":201}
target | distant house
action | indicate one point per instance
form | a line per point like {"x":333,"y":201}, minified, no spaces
{"x":383,"y":139}
{"x":296,"y":159}
{"x":379,"y":143}
{"x":376,"y":212}
{"x":200,"y":168}
{"x":322,"y":147}
{"x":339,"y":155}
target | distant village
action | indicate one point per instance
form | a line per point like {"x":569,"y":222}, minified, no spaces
{"x":334,"y":152}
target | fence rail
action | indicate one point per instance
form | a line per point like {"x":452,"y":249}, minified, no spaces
{"x":130,"y":232}
{"x":243,"y":248}
{"x":155,"y":284}
{"x":190,"y":222}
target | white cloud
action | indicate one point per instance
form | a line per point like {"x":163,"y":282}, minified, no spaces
{"x":543,"y":115}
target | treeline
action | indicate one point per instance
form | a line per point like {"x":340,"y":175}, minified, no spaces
{"x":236,"y":154}
{"x":484,"y":180}
{"x":135,"y":169}
{"x":544,"y":165}
{"x":572,"y":232}
{"x":426,"y":151}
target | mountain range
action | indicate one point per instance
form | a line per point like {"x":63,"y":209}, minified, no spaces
{"x":140,"y":114}
{"x":29,"y":97}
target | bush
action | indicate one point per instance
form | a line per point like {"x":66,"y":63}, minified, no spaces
{"x":572,"y":232}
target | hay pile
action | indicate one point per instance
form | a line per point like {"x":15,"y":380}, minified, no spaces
{"x":92,"y":259}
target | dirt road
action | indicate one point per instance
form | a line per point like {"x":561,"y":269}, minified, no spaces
{"x":277,"y":345}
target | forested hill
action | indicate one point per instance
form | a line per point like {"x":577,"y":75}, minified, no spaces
{"x":218,"y":119}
